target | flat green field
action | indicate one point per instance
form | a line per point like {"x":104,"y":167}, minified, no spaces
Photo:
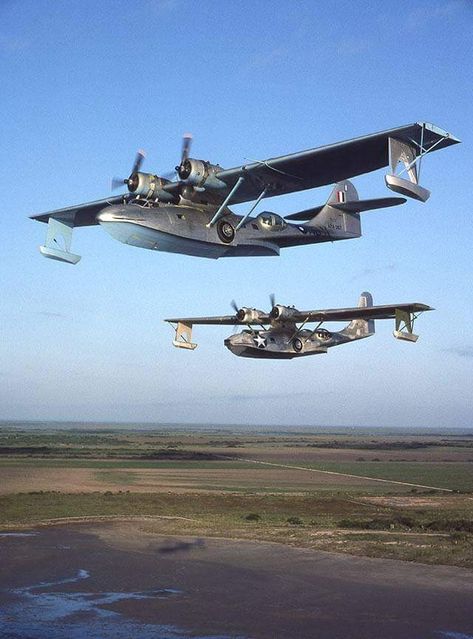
{"x":312,"y":490}
{"x":453,"y":475}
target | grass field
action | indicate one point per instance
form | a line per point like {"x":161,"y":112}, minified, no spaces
{"x":215,"y":484}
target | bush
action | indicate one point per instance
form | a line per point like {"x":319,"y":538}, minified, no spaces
{"x":451,"y":525}
{"x":253,"y":517}
{"x":404,"y":520}
{"x":295,"y":521}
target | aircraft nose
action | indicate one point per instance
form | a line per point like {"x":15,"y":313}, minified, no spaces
{"x":232,"y":341}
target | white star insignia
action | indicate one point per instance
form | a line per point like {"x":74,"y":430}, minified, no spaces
{"x":260,"y":341}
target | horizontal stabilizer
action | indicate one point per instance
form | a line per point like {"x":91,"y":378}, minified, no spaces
{"x":368,"y":205}
{"x":308,"y":214}
{"x":353,"y":206}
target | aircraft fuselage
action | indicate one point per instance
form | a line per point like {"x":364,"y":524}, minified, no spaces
{"x":185,"y":229}
{"x":287,"y":344}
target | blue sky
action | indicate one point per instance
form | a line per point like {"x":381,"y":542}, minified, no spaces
{"x":85,"y":84}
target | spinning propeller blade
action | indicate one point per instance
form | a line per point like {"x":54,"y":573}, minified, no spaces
{"x":118,"y":182}
{"x":186,"y":146}
{"x":140,"y":156}
{"x":234,"y":305}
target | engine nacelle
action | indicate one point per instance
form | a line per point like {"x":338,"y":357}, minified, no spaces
{"x":280,"y":312}
{"x":200,"y":174}
{"x":149,"y":186}
{"x":249,"y":315}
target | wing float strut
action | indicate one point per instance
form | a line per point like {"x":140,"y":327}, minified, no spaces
{"x":410,"y":154}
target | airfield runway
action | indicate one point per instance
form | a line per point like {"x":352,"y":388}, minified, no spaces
{"x":121,"y":580}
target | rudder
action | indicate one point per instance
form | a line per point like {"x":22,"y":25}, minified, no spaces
{"x":334,"y":219}
{"x":360,"y":328}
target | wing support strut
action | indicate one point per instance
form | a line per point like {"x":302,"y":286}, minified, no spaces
{"x":314,"y":331}
{"x":58,"y":242}
{"x":245,"y":217}
{"x":184,"y":336}
{"x":405,"y":326}
{"x":298,"y":330}
{"x":222,"y":206}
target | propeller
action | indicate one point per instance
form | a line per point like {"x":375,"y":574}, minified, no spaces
{"x":132,"y":179}
{"x":184,"y":168}
{"x":129,"y":181}
{"x":239,"y":312}
{"x":272,"y":299}
{"x":186,"y":146}
{"x":235,"y":307}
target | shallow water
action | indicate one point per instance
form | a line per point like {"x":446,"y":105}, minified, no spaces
{"x":66,"y":582}
{"x":41,"y":611}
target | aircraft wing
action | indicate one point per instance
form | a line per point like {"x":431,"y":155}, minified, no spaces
{"x":228,"y":320}
{"x":80,"y":214}
{"x":387,"y":311}
{"x":329,"y":164}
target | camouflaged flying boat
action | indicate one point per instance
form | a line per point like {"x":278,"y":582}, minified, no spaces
{"x":190,"y":214}
{"x":283,"y":334}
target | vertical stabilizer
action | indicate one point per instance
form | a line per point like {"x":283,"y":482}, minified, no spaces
{"x":357,"y":329}
{"x":343,"y":192}
{"x":336,"y":221}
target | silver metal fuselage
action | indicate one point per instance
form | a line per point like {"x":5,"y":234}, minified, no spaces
{"x":185,"y":229}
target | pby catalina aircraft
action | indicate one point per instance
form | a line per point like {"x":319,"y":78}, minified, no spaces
{"x":190,"y":215}
{"x":284,"y":339}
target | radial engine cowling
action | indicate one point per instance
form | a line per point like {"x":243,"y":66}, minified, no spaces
{"x":148,"y":186}
{"x":249,"y":315}
{"x":200,"y":174}
{"x":280,"y":312}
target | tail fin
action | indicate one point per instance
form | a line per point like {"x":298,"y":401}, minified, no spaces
{"x":339,"y":216}
{"x":343,"y":192}
{"x":357,"y":329}
{"x":334,"y":219}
